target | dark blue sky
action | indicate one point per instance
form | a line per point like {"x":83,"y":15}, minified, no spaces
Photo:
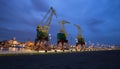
{"x":99,"y":19}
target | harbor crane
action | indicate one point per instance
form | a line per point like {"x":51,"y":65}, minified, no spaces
{"x":80,"y":39}
{"x":62,"y":42}
{"x":41,"y":41}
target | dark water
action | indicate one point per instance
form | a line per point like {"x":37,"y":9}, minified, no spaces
{"x":82,"y":60}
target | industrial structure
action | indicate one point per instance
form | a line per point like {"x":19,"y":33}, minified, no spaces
{"x":62,"y":42}
{"x":42,"y":38}
{"x":41,"y":41}
{"x":80,"y":43}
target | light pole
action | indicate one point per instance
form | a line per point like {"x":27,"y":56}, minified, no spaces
{"x":76,"y":40}
{"x":50,"y":39}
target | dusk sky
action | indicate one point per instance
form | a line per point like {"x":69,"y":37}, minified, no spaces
{"x":99,"y":19}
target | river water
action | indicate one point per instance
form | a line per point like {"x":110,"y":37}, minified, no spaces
{"x":14,"y":50}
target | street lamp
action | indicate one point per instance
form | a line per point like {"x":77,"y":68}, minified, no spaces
{"x":76,"y":40}
{"x":50,"y":38}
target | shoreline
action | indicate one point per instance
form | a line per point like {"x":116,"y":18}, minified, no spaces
{"x":44,"y":53}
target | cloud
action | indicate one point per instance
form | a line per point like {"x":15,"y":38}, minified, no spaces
{"x":19,"y":17}
{"x":93,"y":24}
{"x":40,"y":5}
{"x":94,"y":17}
{"x":20,"y":35}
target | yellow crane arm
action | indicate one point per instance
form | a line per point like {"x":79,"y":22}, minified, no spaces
{"x":62,"y":27}
{"x":79,"y":30}
{"x":46,"y":25}
{"x":44,"y":17}
{"x":52,"y":12}
{"x":48,"y":21}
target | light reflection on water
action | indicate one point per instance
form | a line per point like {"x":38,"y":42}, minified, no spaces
{"x":11,"y":49}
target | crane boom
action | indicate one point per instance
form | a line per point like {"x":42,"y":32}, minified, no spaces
{"x":79,"y":29}
{"x":44,"y":17}
{"x":43,"y":27}
{"x":46,"y":21}
{"x":62,"y":27}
